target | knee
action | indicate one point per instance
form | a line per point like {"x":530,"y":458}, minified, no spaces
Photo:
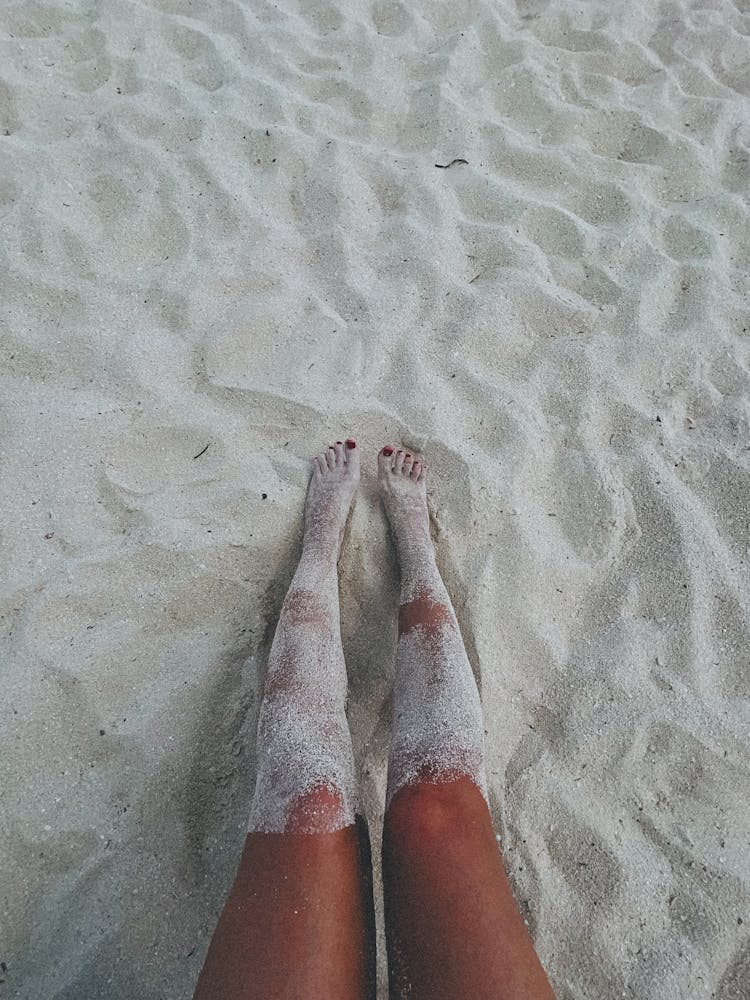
{"x":306,"y":607}
{"x":428,"y":812}
{"x":425,"y":613}
{"x":320,"y":810}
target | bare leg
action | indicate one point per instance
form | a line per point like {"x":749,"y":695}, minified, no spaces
{"x":452,"y":927}
{"x":298,"y":922}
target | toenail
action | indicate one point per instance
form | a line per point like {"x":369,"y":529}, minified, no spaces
{"x":387,"y":451}
{"x":407,"y":455}
{"x":339,"y":442}
{"x":350,"y":443}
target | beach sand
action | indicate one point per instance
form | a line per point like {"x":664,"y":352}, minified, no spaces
{"x":229,"y":236}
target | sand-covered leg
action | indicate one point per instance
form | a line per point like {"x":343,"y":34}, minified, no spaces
{"x":452,"y":926}
{"x":437,"y":719}
{"x":303,"y":736}
{"x":299,"y":918}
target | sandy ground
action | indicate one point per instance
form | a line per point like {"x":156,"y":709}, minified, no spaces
{"x":226,"y":241}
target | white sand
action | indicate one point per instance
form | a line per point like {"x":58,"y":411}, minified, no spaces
{"x":222,"y":225}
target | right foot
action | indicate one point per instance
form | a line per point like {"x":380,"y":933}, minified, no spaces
{"x":402,"y":478}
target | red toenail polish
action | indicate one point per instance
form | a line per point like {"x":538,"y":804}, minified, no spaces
{"x":407,"y":455}
{"x":387,"y":451}
{"x":339,"y":442}
{"x":350,"y":443}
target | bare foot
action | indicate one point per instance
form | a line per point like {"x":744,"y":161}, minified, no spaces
{"x":332,"y":484}
{"x":402,"y":478}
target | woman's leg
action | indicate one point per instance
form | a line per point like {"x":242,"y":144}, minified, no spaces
{"x":452,"y":926}
{"x":298,"y":922}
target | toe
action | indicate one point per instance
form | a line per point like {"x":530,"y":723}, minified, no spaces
{"x":385,"y":459}
{"x":408,"y":463}
{"x":320,"y":461}
{"x":352,"y":455}
{"x":330,"y":454}
{"x":339,"y":450}
{"x":398,"y":461}
{"x":416,"y":469}
{"x":422,"y":472}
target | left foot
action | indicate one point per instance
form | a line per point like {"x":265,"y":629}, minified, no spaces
{"x":329,"y":496}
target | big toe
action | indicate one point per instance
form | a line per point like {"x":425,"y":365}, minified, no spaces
{"x":351,"y":455}
{"x":385,"y":460}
